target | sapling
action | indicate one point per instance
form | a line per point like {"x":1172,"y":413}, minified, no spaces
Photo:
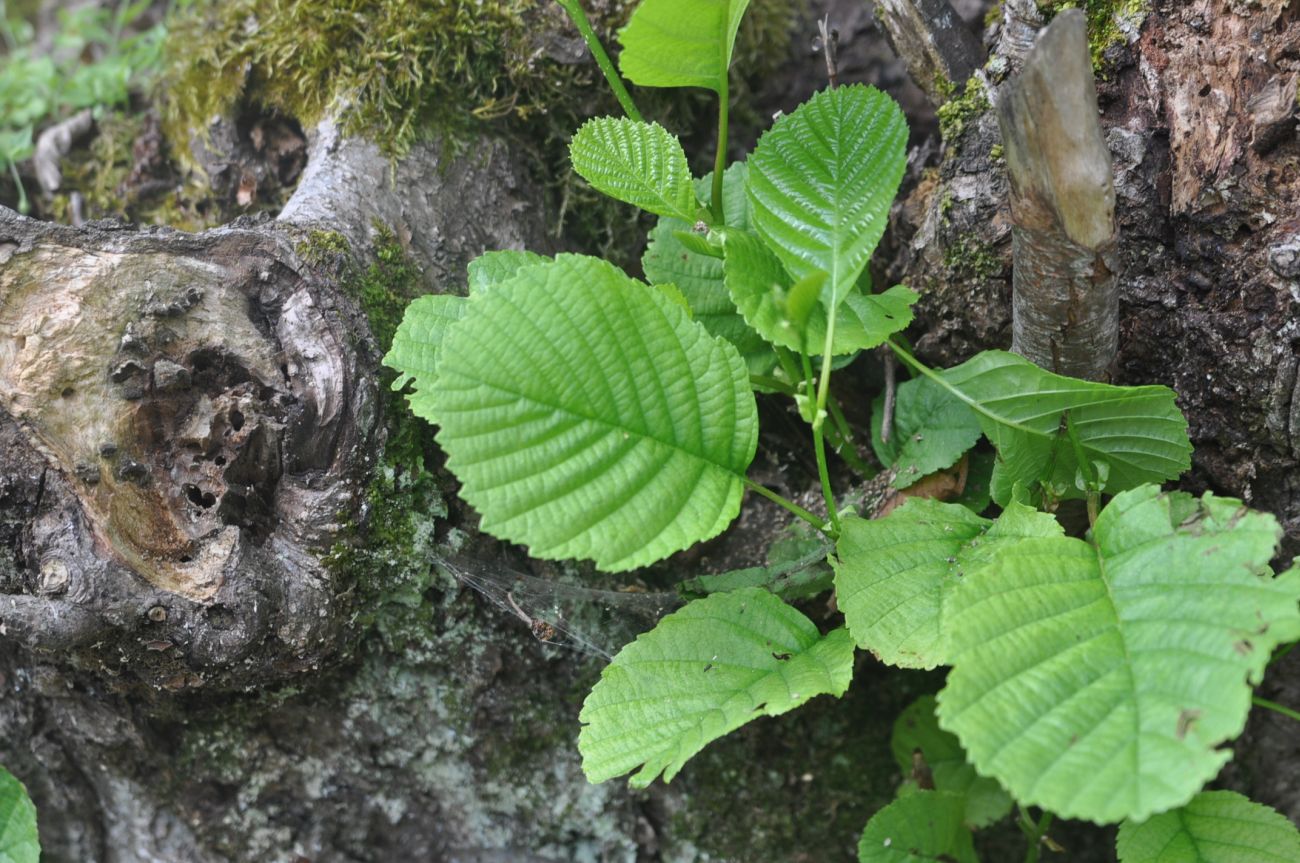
{"x":592,"y":415}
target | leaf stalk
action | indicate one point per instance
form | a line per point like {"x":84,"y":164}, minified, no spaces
{"x":580,"y":20}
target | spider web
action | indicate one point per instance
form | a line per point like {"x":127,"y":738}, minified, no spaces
{"x":591,"y":621}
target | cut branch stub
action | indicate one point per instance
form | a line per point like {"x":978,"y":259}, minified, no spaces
{"x":939,"y":49}
{"x":1065,"y":297}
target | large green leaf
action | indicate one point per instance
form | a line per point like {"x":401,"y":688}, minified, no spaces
{"x":759,"y":287}
{"x":821,"y":181}
{"x":917,"y":733}
{"x":681,"y":43}
{"x":18,"y":839}
{"x":1137,"y":431}
{"x":895,"y":576}
{"x":926,"y":825}
{"x":587,"y":416}
{"x":700,"y":276}
{"x":932,"y":429}
{"x":1216,"y":827}
{"x":703,"y":672}
{"x":491,"y":268}
{"x":414,"y":351}
{"x":1100,"y":682}
{"x":639,"y":163}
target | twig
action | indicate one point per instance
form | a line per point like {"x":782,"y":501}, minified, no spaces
{"x":830,"y":39}
{"x":891,"y":397}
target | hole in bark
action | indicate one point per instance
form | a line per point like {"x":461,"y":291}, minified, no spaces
{"x":199,"y":497}
{"x":219,"y":461}
{"x":1205,"y":91}
{"x":236,"y":420}
{"x":68,"y":392}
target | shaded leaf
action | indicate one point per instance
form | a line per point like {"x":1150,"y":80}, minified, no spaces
{"x":932,"y":430}
{"x":1138,"y":431}
{"x":926,"y":825}
{"x":917,"y":731}
{"x":702,"y":672}
{"x":1215,"y":827}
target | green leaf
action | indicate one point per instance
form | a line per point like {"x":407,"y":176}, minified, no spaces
{"x":18,"y":839}
{"x":1215,"y":827}
{"x":1100,"y":682}
{"x":416,"y":345}
{"x":1138,"y":431}
{"x":700,"y":276}
{"x":979,"y":476}
{"x":587,"y":416}
{"x":703,"y":672}
{"x":895,"y":576}
{"x":759,"y":288}
{"x":917,"y":732}
{"x":681,"y":43}
{"x":491,"y":268}
{"x":932,"y":430}
{"x":796,"y":569}
{"x":821,"y":181}
{"x":926,"y":825}
{"x":639,"y":163}
{"x":15,"y":144}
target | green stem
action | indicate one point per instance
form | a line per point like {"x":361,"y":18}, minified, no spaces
{"x":790,"y":505}
{"x":720,"y":159}
{"x":580,"y":20}
{"x":819,"y":420}
{"x":1034,"y":833}
{"x":845,"y":448}
{"x":917,"y":366}
{"x":23,"y":206}
{"x":1278,"y":708}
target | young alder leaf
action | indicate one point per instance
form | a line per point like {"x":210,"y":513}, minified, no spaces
{"x":18,"y":840}
{"x":492,"y":268}
{"x":759,"y":287}
{"x":917,"y":732}
{"x":700,"y":277}
{"x":1138,"y":431}
{"x":681,"y":43}
{"x":1215,"y":827}
{"x":895,"y":576}
{"x":821,"y":181}
{"x":1099,"y":681}
{"x":587,"y":416}
{"x":703,"y":672}
{"x":414,"y":352}
{"x":639,"y":163}
{"x":927,"y":825}
{"x":932,"y":430}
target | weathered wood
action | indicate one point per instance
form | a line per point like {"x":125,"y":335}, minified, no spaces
{"x":939,"y":49}
{"x":1065,"y":300}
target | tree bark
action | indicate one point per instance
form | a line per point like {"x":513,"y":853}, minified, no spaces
{"x":1198,"y":111}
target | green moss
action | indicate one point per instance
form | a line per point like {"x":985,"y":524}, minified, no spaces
{"x":996,"y":152}
{"x":970,"y":258}
{"x":959,"y":110}
{"x":1108,"y":21}
{"x":386,"y":555}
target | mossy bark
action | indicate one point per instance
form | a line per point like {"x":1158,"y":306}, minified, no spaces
{"x":1199,"y":116}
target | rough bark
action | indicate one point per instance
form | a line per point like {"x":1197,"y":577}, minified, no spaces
{"x":1198,"y":111}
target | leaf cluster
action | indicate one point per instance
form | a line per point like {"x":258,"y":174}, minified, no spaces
{"x":589,"y":414}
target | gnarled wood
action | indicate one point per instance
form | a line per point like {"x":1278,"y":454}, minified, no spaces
{"x":939,"y":49}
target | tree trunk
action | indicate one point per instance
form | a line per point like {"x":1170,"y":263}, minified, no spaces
{"x":1198,"y":109}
